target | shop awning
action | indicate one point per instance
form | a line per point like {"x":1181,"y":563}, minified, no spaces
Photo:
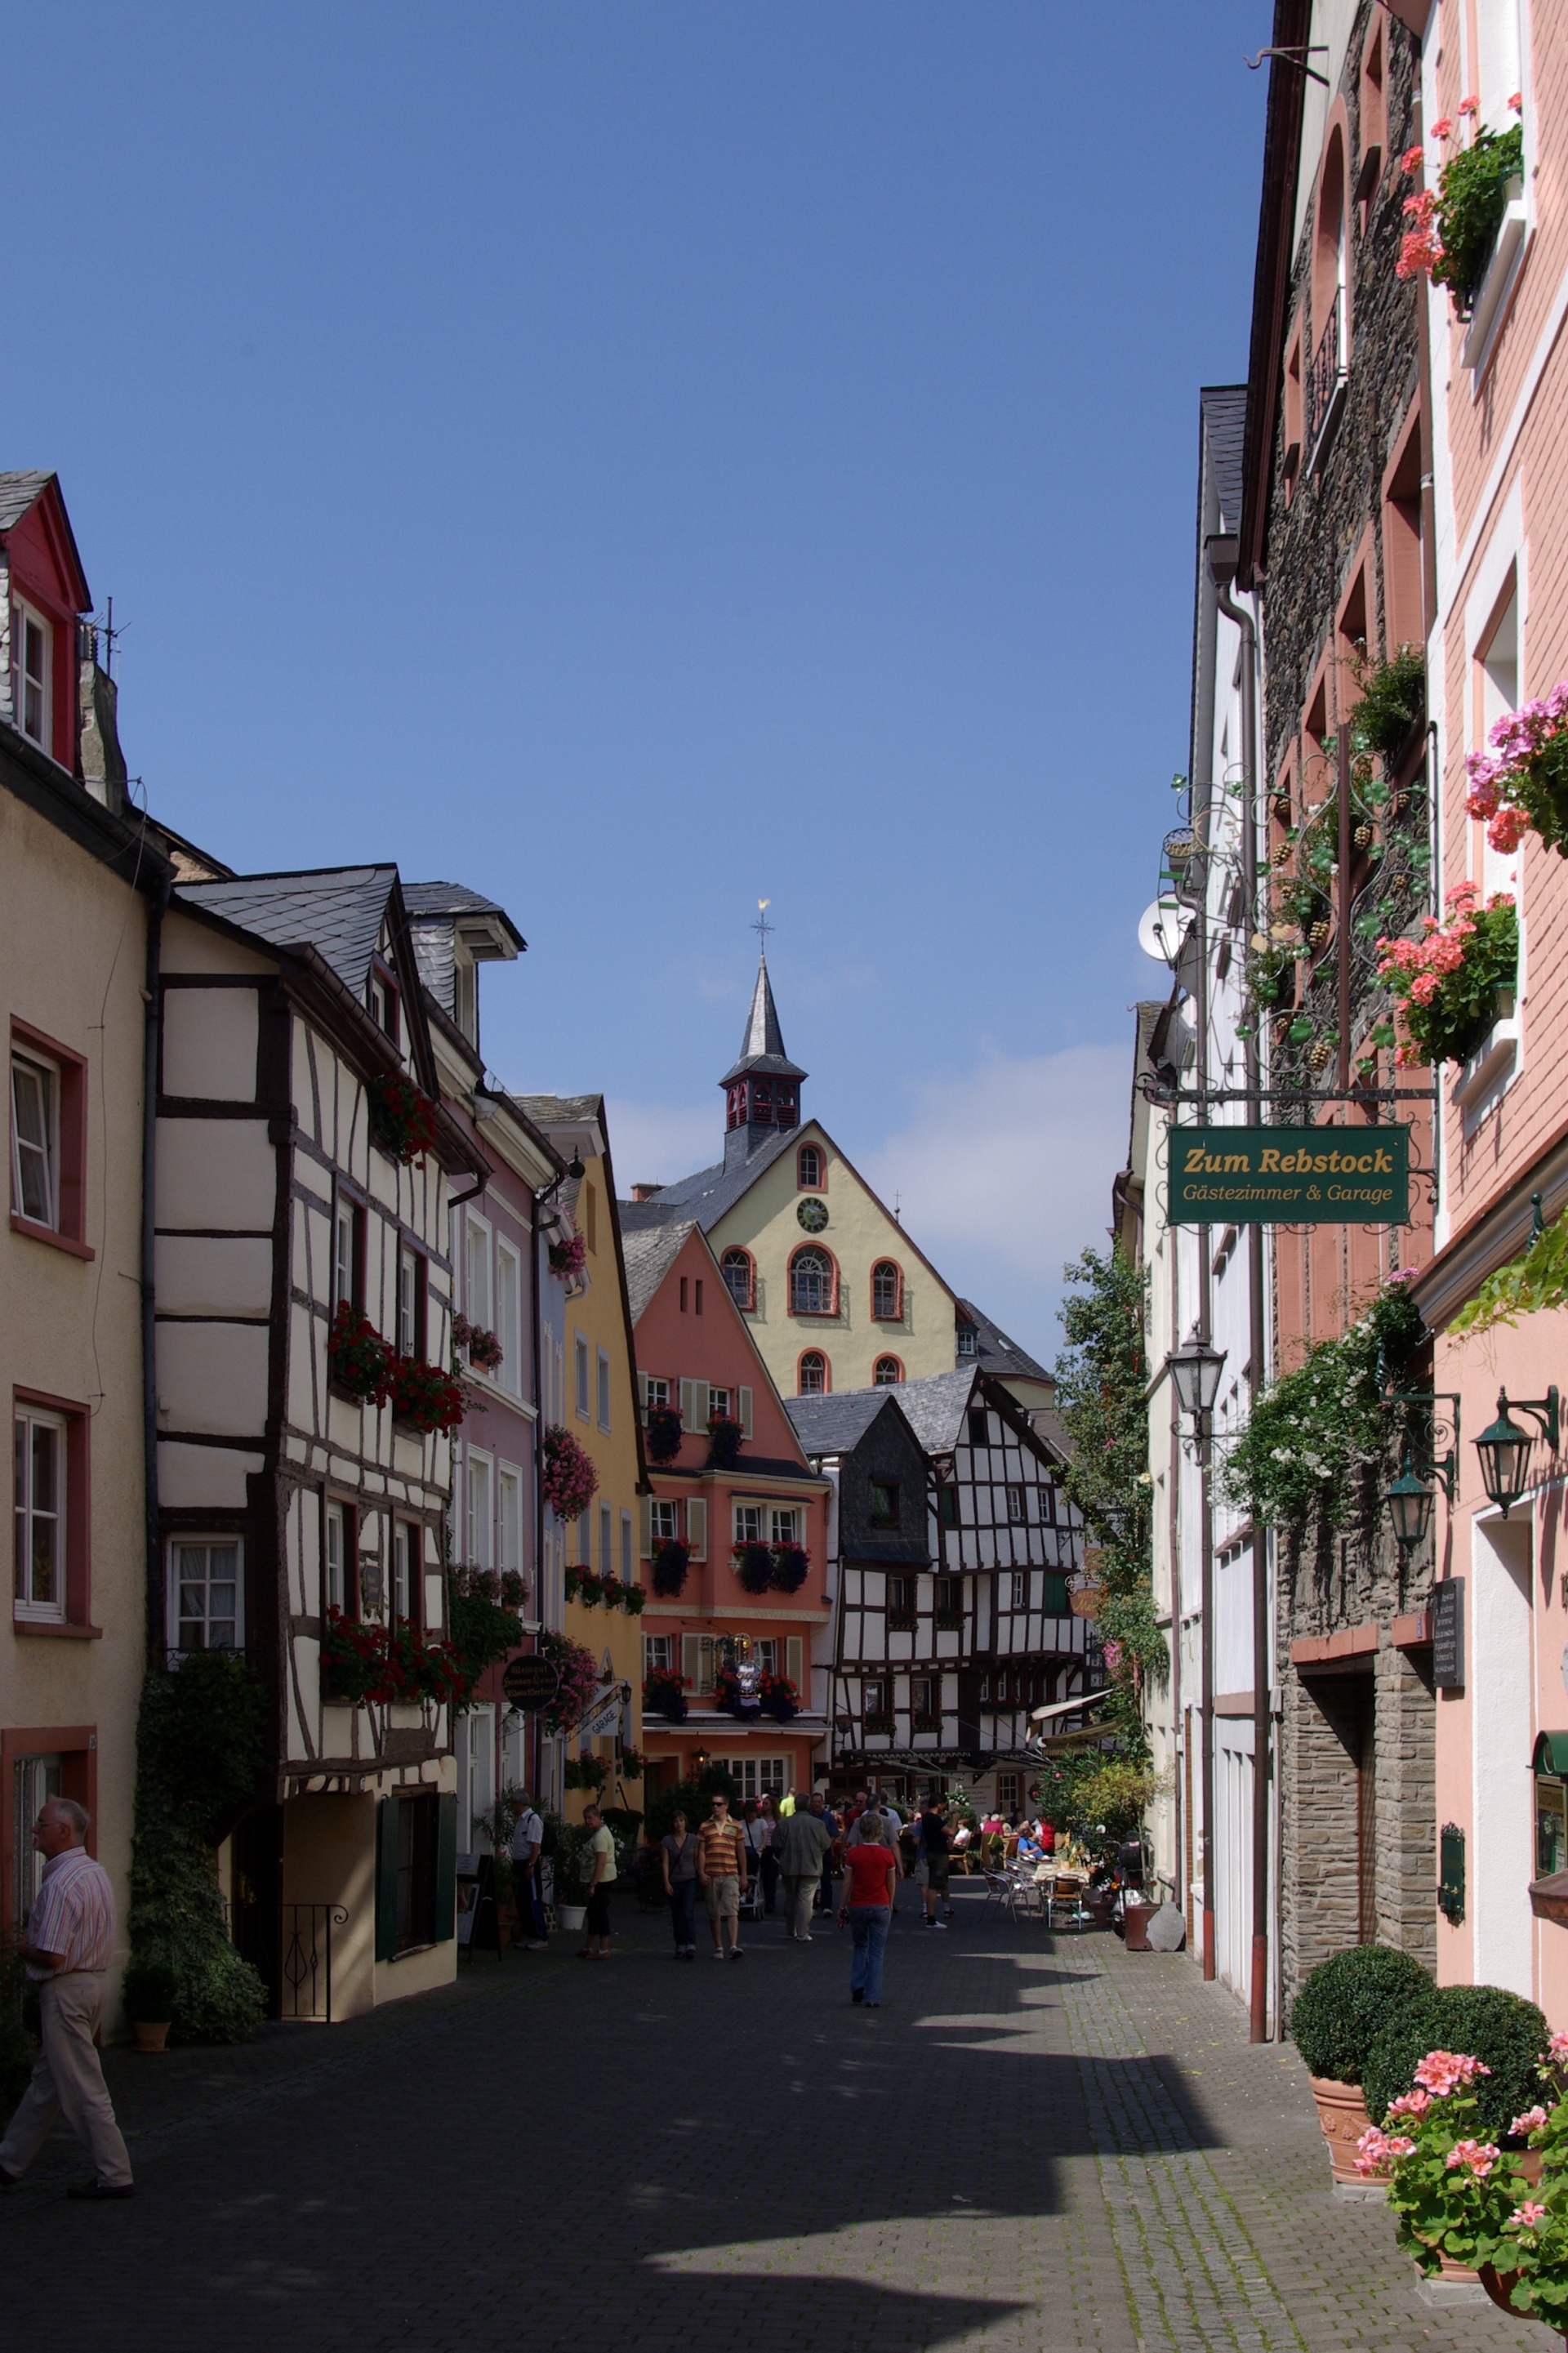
{"x":1552,"y":1752}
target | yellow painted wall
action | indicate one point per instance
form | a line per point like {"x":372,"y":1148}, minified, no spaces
{"x":599,"y":1317}
{"x":858,"y":1232}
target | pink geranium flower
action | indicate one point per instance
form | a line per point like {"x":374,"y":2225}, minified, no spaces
{"x":1442,"y":2072}
{"x":1410,"y":2103}
{"x":1442,"y":127}
{"x":1413,"y":159}
{"x":1527,"y":2213}
{"x":1469,"y":106}
{"x":1478,"y":2155}
{"x":1530,"y":2121}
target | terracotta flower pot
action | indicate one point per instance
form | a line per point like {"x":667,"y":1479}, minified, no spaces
{"x":1135,"y":1919}
{"x":1498,"y":2286}
{"x":151,"y":2037}
{"x":1342,"y":2119}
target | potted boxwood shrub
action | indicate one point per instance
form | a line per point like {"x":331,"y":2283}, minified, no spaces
{"x":1336,"y":2018}
{"x":570,"y":1873}
{"x":149,"y":1993}
{"x":1505,"y":2032}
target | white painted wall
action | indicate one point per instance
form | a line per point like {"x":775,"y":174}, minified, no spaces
{"x":1499,"y":1668}
{"x":209,"y":1043}
{"x":215,"y":1172}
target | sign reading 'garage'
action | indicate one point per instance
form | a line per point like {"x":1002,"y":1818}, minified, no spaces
{"x":1290,"y":1175}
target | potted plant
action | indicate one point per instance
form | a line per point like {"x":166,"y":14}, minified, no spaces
{"x":1335,"y":2021}
{"x":780,"y":1698}
{"x":569,"y":1259}
{"x":582,"y":1585}
{"x":725,"y":1440}
{"x":671,"y":1561}
{"x":1525,"y":789}
{"x":754,"y":1565}
{"x":358,"y":1361}
{"x":425,"y":1396}
{"x":1455,"y":225}
{"x":149,"y":1993}
{"x":1457,"y":980}
{"x":791,"y":1567}
{"x":663,"y":1692}
{"x":584,"y":1773}
{"x":570,"y":1873}
{"x":1507,"y":2035}
{"x":402,"y":1119}
{"x":663,"y":1433}
{"x":481,"y":1347}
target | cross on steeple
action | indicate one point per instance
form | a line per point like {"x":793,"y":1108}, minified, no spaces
{"x":762,"y":926}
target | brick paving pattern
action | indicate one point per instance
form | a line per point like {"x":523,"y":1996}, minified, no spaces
{"x":1039,"y":2142}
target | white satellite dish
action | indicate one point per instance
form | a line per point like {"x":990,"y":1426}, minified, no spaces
{"x":1162,"y":928}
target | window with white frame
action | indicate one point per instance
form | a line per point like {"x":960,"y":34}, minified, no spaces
{"x":509,"y":1482}
{"x":747,"y":1523}
{"x":757,"y":1777}
{"x":579,"y":1365}
{"x":784,"y":1528}
{"x":655,"y":1392}
{"x":662,"y":1521}
{"x":1016,"y":1504}
{"x":31,"y":682}
{"x":206,"y":1596}
{"x":718,"y":1402}
{"x":480,"y":1509}
{"x":34,"y":1139}
{"x":604,"y":1388}
{"x":410,"y":1284}
{"x":1020,"y":1590}
{"x":766,"y":1655}
{"x":40,"y":1513}
{"x":405,"y":1550}
{"x":345,"y":1253}
{"x":508,"y":1316}
{"x":480,"y":1305}
{"x":335,"y":1565}
{"x":658,"y":1655}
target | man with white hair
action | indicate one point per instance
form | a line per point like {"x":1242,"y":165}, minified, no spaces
{"x":68,"y":1946}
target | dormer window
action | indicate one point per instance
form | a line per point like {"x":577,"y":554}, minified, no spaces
{"x":382,"y":997}
{"x":31,"y":638}
{"x":966,"y":1339}
{"x":466,"y":1000}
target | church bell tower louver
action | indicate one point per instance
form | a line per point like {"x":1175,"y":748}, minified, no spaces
{"x":762,"y":1088}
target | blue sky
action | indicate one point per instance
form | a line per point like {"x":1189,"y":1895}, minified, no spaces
{"x":640,"y":460}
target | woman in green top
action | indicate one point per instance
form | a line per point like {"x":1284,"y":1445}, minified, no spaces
{"x":602,"y":1847}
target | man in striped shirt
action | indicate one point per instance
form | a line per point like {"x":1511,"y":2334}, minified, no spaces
{"x":68,"y":1947}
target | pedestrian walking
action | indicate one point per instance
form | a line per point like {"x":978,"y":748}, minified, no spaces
{"x":721,"y":1875}
{"x":800,"y":1844}
{"x":677,"y":1858}
{"x":871,"y":1868}
{"x":769,"y":1816}
{"x":756,"y":1831}
{"x":67,"y":1947}
{"x":596,"y":1922}
{"x":830,"y":1861}
{"x":526,"y":1846}
{"x":934,"y":1856}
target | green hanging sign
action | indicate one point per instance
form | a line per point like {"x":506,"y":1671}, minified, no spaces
{"x":1290,"y":1175}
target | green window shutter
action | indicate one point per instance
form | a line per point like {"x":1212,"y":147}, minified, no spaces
{"x":447,"y":1867}
{"x":1056,"y":1604}
{"x":386,"y":1879}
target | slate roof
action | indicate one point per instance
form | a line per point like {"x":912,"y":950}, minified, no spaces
{"x":836,"y":1422}
{"x":1224,"y":409}
{"x":763,"y":1045}
{"x":996,"y":1354}
{"x":17,"y":492}
{"x":707,"y":1196}
{"x":648,"y":1256}
{"x":431,"y":900}
{"x":339,"y":910}
{"x":562,"y":1111}
{"x":935,"y":1407}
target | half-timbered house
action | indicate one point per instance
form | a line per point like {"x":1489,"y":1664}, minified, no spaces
{"x":938,"y":1669}
{"x":291,"y":1029}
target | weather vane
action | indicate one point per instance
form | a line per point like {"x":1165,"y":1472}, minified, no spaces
{"x":762,"y":926}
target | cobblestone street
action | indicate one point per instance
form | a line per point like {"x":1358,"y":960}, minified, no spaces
{"x":1037,"y":2142}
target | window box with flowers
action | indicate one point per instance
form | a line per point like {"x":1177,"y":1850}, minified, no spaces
{"x":481,"y":1348}
{"x":926,"y":1722}
{"x":425,"y":1397}
{"x":780,"y":1698}
{"x":671,"y":1561}
{"x":1457,"y":227}
{"x":359,"y":1362}
{"x":380,"y":1664}
{"x":584,"y":1773}
{"x":754,"y":1565}
{"x":663,"y":1434}
{"x":589,"y":1587}
{"x":948,"y":1621}
{"x":402,"y":1119}
{"x":1456,"y":980}
{"x":725,"y":1438}
{"x":791,"y":1567}
{"x":569,"y":1480}
{"x":880,"y":1724}
{"x":901,"y":1621}
{"x":568,"y":1260}
{"x":664,"y":1693}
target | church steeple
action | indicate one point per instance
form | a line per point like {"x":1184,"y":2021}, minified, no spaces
{"x":762,"y":1089}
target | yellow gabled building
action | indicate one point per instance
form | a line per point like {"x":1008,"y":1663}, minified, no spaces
{"x":836,"y":1293}
{"x":592,"y":1391}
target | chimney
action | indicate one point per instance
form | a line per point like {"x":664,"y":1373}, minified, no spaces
{"x":102,"y":760}
{"x":645,"y":1192}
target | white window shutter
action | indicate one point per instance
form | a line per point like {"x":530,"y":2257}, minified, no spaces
{"x":645,"y":1516}
{"x":794,"y":1660}
{"x":642,"y":1395}
{"x":745,"y":1398}
{"x":691,"y":1659}
{"x":700,"y":1406}
{"x":697,"y":1527}
{"x":688,"y":1389}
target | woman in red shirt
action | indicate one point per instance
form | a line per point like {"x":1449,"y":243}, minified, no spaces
{"x":871,"y":1869}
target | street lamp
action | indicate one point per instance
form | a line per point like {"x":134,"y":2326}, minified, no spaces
{"x":1409,"y":1507}
{"x":1505,"y":1447}
{"x":1195,"y":1370}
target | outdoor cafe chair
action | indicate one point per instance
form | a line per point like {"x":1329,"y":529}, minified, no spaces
{"x":1066,"y":1898}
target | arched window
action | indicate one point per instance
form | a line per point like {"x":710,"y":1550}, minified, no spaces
{"x":812,"y":1373}
{"x":810,"y":1282}
{"x":809,"y":1168}
{"x":887,"y":1292}
{"x":736,"y":1266}
{"x":887,"y":1373}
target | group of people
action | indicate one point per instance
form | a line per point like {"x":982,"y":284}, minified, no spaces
{"x":807,"y":1847}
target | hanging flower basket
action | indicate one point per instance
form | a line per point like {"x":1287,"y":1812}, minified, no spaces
{"x":780,"y":1698}
{"x":791,"y":1567}
{"x":584,"y":1773}
{"x":725,"y":1440}
{"x":629,"y":1764}
{"x":663,"y":1433}
{"x":582,"y":1585}
{"x":425,"y":1395}
{"x":569,"y":1480}
{"x":671,"y":1561}
{"x":578,"y":1669}
{"x":754,"y":1566}
{"x":568,"y":1259}
{"x":402,"y":1119}
{"x":664,"y":1692}
{"x":358,"y":1359}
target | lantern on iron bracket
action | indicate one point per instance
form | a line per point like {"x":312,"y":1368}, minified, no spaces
{"x":1411,"y":1497}
{"x":1505,"y":1448}
{"x":1194,"y":1369}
